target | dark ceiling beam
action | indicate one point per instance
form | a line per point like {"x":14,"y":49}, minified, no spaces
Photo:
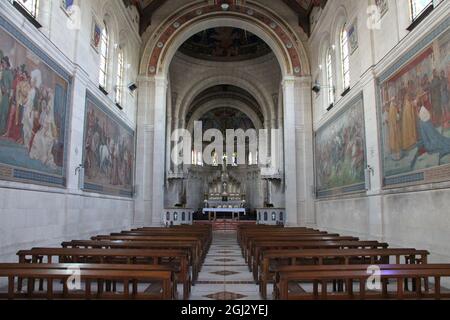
{"x":302,"y":13}
{"x":147,"y":13}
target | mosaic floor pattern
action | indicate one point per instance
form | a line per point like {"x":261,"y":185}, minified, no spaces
{"x":225,"y":275}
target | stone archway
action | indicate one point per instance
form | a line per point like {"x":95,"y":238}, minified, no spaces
{"x":296,"y":84}
{"x":224,"y":103}
{"x":288,"y":49}
{"x":210,"y":81}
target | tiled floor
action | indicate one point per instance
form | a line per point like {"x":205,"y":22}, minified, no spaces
{"x":225,"y":275}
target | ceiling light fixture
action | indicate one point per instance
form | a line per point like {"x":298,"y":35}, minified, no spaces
{"x":225,"y":6}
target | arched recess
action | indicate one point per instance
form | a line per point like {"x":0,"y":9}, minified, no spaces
{"x":288,"y":49}
{"x":267,"y":106}
{"x":224,"y":103}
{"x":296,"y":85}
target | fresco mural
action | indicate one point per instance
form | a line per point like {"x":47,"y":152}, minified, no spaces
{"x":108,"y":152}
{"x":415,"y":114}
{"x":33,"y":103}
{"x":225,"y":44}
{"x":340,"y":152}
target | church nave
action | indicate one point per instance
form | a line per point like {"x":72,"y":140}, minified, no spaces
{"x":215,"y":150}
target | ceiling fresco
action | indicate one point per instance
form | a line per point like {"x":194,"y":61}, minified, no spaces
{"x":225,"y":44}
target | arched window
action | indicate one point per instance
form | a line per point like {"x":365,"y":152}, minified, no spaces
{"x":345,"y":59}
{"x":119,"y":78}
{"x":31,"y":6}
{"x":419,"y":6}
{"x":104,"y":57}
{"x":329,"y":74}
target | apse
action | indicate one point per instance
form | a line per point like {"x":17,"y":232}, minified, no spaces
{"x":234,"y":84}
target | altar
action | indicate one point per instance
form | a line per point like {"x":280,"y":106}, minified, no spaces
{"x":236,"y":213}
{"x":224,"y":195}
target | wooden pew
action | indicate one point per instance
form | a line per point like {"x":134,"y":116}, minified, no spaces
{"x":203,"y":231}
{"x":115,"y":256}
{"x":261,"y":246}
{"x":246,"y":237}
{"x":249,"y":251}
{"x":190,"y":246}
{"x":87,"y":266}
{"x":243,"y":234}
{"x":180,"y":239}
{"x":201,"y":241}
{"x":88,"y":276}
{"x":204,"y":234}
{"x":362,"y":276}
{"x":290,"y":238}
{"x":346,"y":257}
{"x":354,"y":267}
{"x":243,"y":229}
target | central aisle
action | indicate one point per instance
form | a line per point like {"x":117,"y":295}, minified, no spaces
{"x":225,"y":275}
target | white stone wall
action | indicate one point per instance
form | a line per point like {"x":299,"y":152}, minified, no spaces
{"x":33,"y":215}
{"x":404,"y":217}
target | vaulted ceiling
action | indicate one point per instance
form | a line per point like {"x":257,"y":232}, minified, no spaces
{"x":302,"y":8}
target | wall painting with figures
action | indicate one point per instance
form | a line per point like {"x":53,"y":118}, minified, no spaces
{"x":34,"y":100}
{"x":415,"y":113}
{"x":340,"y":157}
{"x":108,"y":156}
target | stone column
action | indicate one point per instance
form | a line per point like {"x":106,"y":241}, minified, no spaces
{"x":304,"y":151}
{"x":375,"y":216}
{"x":298,"y":136}
{"x":75,"y":150}
{"x":159,"y":156}
{"x":290,"y":162}
{"x":269,"y":191}
{"x":169,"y":166}
{"x":144,"y":151}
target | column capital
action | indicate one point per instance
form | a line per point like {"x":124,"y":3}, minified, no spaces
{"x":303,"y":81}
{"x":145,"y":79}
{"x":161,"y":82}
{"x":288,"y":81}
